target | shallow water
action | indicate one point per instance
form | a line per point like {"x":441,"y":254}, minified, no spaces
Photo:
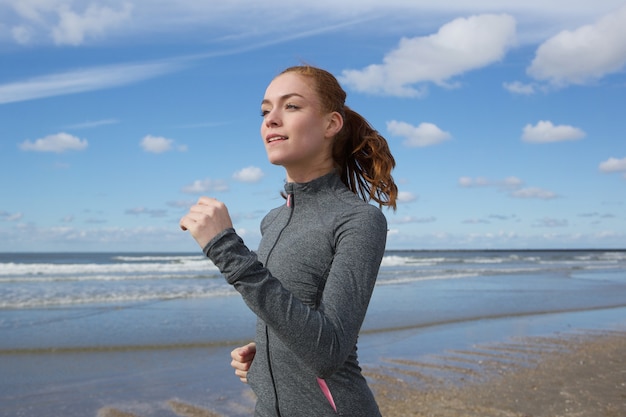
{"x":83,"y":331}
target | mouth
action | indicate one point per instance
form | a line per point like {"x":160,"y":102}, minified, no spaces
{"x":275,"y":138}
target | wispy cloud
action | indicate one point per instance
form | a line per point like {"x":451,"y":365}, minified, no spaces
{"x":551,"y":222}
{"x":65,"y":23}
{"x":517,"y":87}
{"x":412,"y":219}
{"x":83,"y":80}
{"x":534,"y":192}
{"x":137,"y":211}
{"x":92,"y":124}
{"x":10,"y":217}
{"x":204,"y":186}
{"x":513,"y":186}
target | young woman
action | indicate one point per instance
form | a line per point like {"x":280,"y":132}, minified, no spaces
{"x":311,"y":280}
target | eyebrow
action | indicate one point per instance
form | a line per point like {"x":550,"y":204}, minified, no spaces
{"x":283,"y":98}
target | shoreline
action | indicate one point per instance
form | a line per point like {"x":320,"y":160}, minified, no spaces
{"x":409,"y":371}
{"x":577,"y":374}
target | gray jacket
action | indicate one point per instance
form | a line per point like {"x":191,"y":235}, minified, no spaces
{"x":309,"y":286}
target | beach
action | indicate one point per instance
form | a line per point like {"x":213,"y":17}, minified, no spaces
{"x":574,"y":375}
{"x":568,"y":375}
{"x":447,"y":334}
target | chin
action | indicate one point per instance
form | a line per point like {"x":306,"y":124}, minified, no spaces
{"x":275,"y":159}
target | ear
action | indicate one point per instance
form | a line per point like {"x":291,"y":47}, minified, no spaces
{"x":334,"y":124}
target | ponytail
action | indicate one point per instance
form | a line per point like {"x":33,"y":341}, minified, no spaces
{"x":365,"y":161}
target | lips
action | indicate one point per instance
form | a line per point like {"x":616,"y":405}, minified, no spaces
{"x":275,"y":138}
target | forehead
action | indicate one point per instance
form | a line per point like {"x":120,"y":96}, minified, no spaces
{"x":290,"y":84}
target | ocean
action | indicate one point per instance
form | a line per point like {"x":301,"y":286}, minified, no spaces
{"x":68,"y":293}
{"x":47,"y":280}
{"x":95,"y":321}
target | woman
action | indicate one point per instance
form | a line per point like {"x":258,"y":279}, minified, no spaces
{"x":313,"y":275}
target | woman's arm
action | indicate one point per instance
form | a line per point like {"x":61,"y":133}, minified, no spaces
{"x":322,"y":337}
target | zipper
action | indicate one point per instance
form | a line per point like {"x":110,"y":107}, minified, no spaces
{"x":289,"y":204}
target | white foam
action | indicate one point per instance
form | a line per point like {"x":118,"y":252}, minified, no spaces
{"x":17,"y":269}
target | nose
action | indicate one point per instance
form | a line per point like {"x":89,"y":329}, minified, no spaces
{"x":272,"y":118}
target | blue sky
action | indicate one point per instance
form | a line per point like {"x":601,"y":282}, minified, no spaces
{"x":507,"y":121}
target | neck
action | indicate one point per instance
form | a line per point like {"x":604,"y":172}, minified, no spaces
{"x":308,"y":175}
{"x":300,"y":174}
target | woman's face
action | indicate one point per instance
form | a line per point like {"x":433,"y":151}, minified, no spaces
{"x":296,"y":133}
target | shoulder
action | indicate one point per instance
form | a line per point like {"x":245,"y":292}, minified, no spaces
{"x":355,"y":213}
{"x":270,"y":217}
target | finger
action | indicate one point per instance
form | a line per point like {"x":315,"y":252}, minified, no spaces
{"x":241,"y":353}
{"x":243,"y":376}
{"x":207,"y":201}
{"x":239,"y":366}
{"x":182,"y":223}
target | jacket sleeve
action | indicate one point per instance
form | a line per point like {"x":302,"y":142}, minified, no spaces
{"x":323,"y":337}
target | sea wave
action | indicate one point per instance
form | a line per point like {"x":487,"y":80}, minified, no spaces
{"x":21,"y":269}
{"x":54,"y":298}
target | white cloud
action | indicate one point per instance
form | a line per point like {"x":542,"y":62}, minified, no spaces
{"x":613,"y":165}
{"x":583,"y":55}
{"x":475,"y":221}
{"x":150,"y":212}
{"x":507,"y":183}
{"x":544,"y":132}
{"x":518,"y":87}
{"x":462,"y":45}
{"x":92,"y":124}
{"x":83,"y":80}
{"x":204,"y":186}
{"x":426,"y":134}
{"x":412,"y":219}
{"x":181,"y":203}
{"x":406,"y":197}
{"x":510,"y":182}
{"x":11,"y":217}
{"x":474,"y":182}
{"x":61,"y":142}
{"x":249,"y":174}
{"x":66,"y":23}
{"x":23,"y":35}
{"x":551,"y":222}
{"x":511,"y":185}
{"x":242,"y":20}
{"x":156,"y":144}
{"x":74,"y":27}
{"x":533,"y":192}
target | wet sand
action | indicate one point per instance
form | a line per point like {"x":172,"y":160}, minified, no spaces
{"x":581,"y":374}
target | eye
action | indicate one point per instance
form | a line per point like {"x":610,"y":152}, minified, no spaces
{"x":291,"y":106}
{"x":264,"y":112}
